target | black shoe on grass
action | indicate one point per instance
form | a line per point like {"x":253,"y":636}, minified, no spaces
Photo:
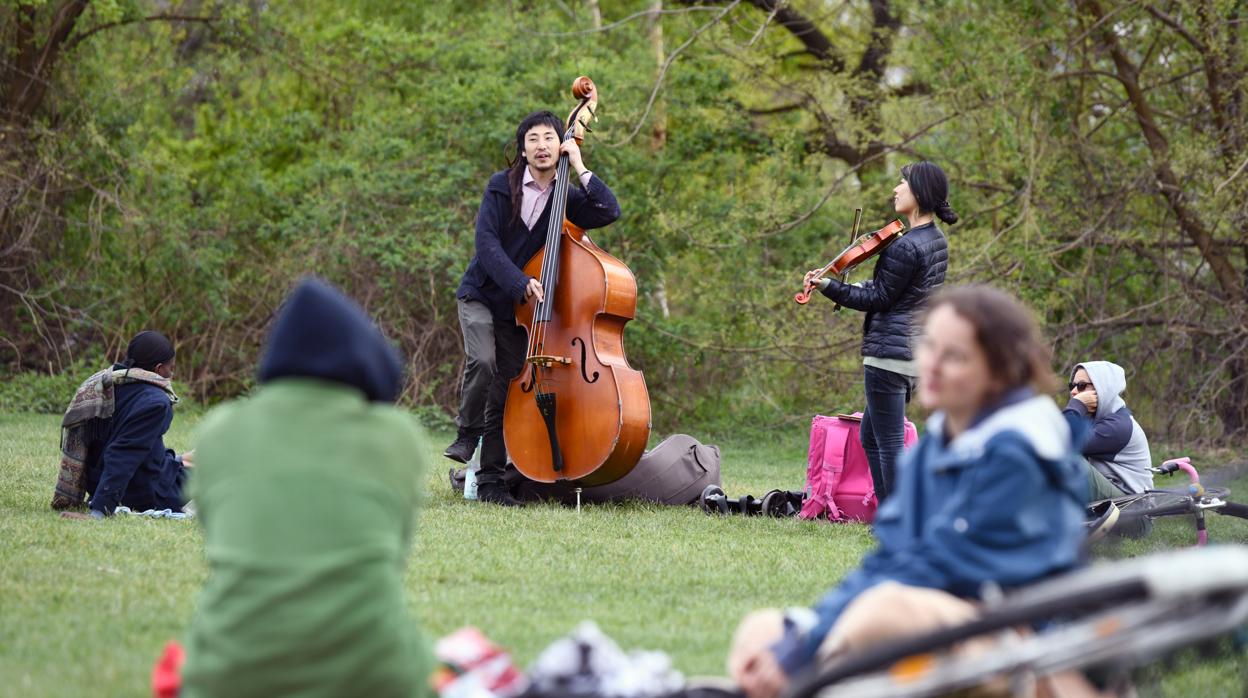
{"x":496,"y":493}
{"x":461,"y":451}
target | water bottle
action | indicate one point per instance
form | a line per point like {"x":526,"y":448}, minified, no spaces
{"x":470,"y":473}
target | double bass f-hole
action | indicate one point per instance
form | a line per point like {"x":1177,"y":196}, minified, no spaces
{"x":584,"y":377}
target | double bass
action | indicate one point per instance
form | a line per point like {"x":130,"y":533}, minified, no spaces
{"x":577,"y":411}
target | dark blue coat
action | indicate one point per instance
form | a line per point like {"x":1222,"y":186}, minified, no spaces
{"x":495,"y":276}
{"x":906,"y":273}
{"x":131,"y":465}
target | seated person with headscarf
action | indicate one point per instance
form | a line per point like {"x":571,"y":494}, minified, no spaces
{"x":113,"y":436}
{"x":307,"y":494}
{"x":1116,"y":451}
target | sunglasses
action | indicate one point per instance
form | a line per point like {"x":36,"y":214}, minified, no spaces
{"x":1080,"y":386}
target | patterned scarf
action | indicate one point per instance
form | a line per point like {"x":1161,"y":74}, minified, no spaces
{"x":83,"y":424}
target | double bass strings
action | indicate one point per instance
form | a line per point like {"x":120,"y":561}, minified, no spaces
{"x":550,"y":268}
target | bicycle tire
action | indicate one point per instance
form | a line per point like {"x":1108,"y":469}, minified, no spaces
{"x":1174,"y":509}
{"x":1157,"y":503}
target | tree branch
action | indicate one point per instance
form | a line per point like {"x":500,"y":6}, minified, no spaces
{"x":1169,"y":183}
{"x":1177,"y":27}
{"x":816,"y":42}
{"x":36,"y":84}
{"x":79,"y":38}
{"x":883,"y":25}
{"x":782,"y":109}
{"x":913,"y":89}
{"x":658,"y":82}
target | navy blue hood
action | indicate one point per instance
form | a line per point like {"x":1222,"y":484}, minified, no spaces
{"x":321,"y":333}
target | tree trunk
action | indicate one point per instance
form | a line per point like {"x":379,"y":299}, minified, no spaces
{"x":595,"y":14}
{"x":1232,"y":404}
{"x":658,"y":130}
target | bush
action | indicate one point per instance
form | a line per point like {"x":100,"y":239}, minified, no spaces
{"x":44,"y":393}
{"x":33,"y":391}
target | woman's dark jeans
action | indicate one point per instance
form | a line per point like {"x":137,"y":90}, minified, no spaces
{"x":883,"y":429}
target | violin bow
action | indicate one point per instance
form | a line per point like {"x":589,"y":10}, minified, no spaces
{"x":853,"y":235}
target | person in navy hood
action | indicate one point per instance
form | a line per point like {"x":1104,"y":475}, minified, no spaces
{"x":320,"y":333}
{"x":128,"y":464}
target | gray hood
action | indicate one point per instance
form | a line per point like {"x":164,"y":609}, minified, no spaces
{"x":1110,"y":382}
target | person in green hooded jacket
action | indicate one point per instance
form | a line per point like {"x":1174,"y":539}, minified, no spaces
{"x":306,"y":493}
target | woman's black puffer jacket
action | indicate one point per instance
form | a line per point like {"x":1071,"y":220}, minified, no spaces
{"x":906,"y":273}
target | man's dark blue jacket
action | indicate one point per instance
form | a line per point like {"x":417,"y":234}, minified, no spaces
{"x":495,"y":276}
{"x":131,"y":466}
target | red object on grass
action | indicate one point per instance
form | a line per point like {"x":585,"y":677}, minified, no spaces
{"x":167,"y":674}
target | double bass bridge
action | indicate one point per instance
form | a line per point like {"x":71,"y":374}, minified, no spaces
{"x":546,"y":361}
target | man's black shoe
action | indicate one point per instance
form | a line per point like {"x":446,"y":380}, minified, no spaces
{"x":496,"y":493}
{"x":461,"y":450}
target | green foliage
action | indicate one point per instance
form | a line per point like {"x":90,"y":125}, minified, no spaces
{"x":31,"y":391}
{"x":207,"y":165}
{"x":50,"y":393}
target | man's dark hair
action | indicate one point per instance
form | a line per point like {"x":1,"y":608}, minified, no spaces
{"x":930,"y":187}
{"x":515,"y":176}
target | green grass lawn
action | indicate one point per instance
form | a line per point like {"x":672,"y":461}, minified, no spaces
{"x":85,"y":607}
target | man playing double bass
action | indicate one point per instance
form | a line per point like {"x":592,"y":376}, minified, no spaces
{"x":511,"y":228}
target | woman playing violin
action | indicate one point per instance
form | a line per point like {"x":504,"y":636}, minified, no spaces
{"x":907,"y":272}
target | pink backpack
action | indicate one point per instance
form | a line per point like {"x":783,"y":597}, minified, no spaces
{"x":838,"y":476}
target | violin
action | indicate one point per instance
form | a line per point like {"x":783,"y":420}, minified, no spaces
{"x":577,"y":411}
{"x":860,"y":250}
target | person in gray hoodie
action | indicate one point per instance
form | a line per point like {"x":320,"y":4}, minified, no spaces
{"x":1117,"y":449}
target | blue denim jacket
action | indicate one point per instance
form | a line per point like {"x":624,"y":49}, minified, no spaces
{"x":1001,"y":503}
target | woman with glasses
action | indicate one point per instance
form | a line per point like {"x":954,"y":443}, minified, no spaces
{"x":908,"y":270}
{"x":993,"y":494}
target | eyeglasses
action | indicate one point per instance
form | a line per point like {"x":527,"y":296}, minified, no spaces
{"x":1080,"y":386}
